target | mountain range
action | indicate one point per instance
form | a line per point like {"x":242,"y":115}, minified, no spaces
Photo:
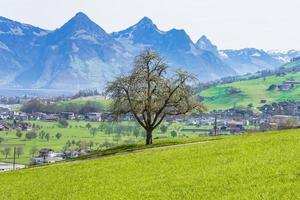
{"x":80,"y":54}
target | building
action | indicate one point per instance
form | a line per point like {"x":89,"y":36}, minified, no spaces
{"x":67,"y":115}
{"x":9,"y":166}
{"x":71,"y":154}
{"x":52,"y":117}
{"x":41,"y":160}
{"x":38,"y":116}
{"x":46,"y":153}
{"x":21,"y":116}
{"x":93,"y":116}
{"x":285,"y":87}
{"x":46,"y":156}
{"x":278,"y":119}
{"x":235,"y":126}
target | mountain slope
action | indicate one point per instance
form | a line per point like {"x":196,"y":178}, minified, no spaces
{"x":80,"y":54}
{"x":254,"y":91}
{"x":249,"y":60}
{"x":176,"y":46}
{"x":19,"y":45}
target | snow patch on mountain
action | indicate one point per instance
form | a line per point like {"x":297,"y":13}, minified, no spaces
{"x":4,"y":47}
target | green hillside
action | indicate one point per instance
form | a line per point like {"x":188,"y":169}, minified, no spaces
{"x":257,"y":166}
{"x":100,"y":102}
{"x":251,"y":92}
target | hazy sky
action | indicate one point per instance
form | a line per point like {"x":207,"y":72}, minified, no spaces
{"x":267,"y":24}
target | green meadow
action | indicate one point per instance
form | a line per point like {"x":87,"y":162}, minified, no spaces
{"x":254,"y":166}
{"x":77,"y":131}
{"x":100,"y":102}
{"x":252,"y":92}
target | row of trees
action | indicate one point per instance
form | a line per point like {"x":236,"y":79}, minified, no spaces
{"x":37,"y":105}
{"x":7,"y":151}
{"x":30,"y":135}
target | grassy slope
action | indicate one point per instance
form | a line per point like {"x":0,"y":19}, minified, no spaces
{"x":252,"y":91}
{"x":260,"y":166}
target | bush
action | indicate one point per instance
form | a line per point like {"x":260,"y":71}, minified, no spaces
{"x":63,"y":123}
{"x":31,"y":135}
{"x":233,"y":90}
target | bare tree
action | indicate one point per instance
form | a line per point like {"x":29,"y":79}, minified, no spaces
{"x":33,"y":151}
{"x":150,"y":95}
{"x":19,"y":151}
{"x":6,"y":151}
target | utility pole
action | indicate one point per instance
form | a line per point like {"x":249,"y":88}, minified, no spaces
{"x":216,"y":125}
{"x":14,"y":162}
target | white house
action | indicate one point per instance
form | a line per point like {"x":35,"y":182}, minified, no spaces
{"x":93,"y":116}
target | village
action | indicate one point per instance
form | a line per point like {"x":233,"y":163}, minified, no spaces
{"x":284,"y":115}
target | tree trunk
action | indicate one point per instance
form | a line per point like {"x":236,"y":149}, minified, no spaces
{"x":149,"y":137}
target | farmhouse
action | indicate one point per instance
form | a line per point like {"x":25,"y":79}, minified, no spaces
{"x":71,"y":154}
{"x":287,"y":85}
{"x":67,"y":115}
{"x":93,"y":116}
{"x":38,"y":116}
{"x":235,"y":126}
{"x":20,"y":116}
{"x":52,"y":117}
{"x":46,"y":156}
{"x":280,"y":118}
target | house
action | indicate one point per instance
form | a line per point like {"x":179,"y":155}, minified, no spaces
{"x":93,"y":116}
{"x":4,"y":113}
{"x":107,"y":116}
{"x":41,"y":160}
{"x":278,"y":119}
{"x":4,"y":127}
{"x":235,"y":126}
{"x":46,"y":153}
{"x":71,"y":154}
{"x":46,"y":156}
{"x":285,"y":87}
{"x":10,"y":166}
{"x":52,"y":117}
{"x":21,"y":116}
{"x":38,"y":116}
{"x":67,"y":115}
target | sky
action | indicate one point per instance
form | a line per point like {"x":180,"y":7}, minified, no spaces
{"x":230,"y":24}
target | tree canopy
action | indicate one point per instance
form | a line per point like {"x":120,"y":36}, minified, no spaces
{"x":150,"y":95}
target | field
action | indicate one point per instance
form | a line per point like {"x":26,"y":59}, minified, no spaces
{"x":77,"y":131}
{"x":254,"y":166}
{"x":252,"y":92}
{"x":100,"y":101}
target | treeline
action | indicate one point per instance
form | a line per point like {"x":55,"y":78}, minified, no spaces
{"x":86,"y":93}
{"x":36,"y":105}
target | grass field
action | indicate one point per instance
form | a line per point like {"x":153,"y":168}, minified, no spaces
{"x":100,"y":101}
{"x":257,"y":166}
{"x":252,"y":91}
{"x":76,"y":131}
